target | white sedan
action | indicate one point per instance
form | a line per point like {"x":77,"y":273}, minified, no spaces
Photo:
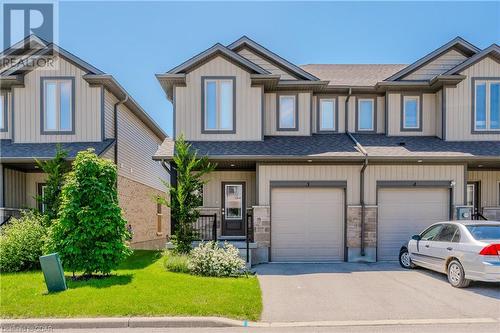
{"x":464,"y":250}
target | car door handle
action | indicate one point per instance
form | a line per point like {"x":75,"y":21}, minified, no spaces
{"x":427,"y":245}
{"x":449,"y":248}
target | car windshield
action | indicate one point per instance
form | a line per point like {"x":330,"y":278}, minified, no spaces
{"x":481,"y":232}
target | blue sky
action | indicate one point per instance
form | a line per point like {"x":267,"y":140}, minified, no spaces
{"x":134,"y":40}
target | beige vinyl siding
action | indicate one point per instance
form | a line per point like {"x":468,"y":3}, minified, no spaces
{"x":450,"y":173}
{"x":439,"y":114}
{"x":32,"y":181}
{"x":351,"y":111}
{"x":212,"y":194}
{"x":429,"y":115}
{"x":110,"y":153}
{"x":349,"y":173}
{"x":380,"y":114}
{"x":459,"y":103}
{"x":265,"y":64}
{"x":109,"y":102}
{"x":304,"y":118}
{"x":340,"y":109}
{"x":7,"y":134}
{"x":437,"y":66}
{"x":136,"y":144}
{"x":27,"y":111}
{"x":489,"y":186}
{"x":188,"y":106}
{"x":15,"y":188}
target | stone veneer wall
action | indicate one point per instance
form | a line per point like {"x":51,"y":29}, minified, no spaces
{"x":140,"y":210}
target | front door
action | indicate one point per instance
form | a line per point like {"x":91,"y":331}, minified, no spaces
{"x":233,"y":209}
{"x":473,"y":196}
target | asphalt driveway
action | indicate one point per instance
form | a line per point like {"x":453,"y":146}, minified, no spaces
{"x":379,"y":291}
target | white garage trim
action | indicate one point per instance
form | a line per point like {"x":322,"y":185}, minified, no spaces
{"x":409,"y":185}
{"x":311,"y":184}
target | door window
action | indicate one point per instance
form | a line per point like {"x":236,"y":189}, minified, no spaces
{"x":233,"y":202}
{"x":447,"y":233}
{"x":431,"y":232}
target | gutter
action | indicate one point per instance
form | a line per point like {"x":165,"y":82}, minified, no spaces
{"x":115,"y":118}
{"x":361,"y":191}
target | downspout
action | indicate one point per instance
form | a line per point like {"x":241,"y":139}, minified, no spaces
{"x":349,"y":93}
{"x":115,"y":118}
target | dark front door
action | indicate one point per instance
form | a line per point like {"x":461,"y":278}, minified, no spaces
{"x":473,"y":196}
{"x":233,"y":209}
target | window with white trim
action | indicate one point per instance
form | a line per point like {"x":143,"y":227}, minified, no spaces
{"x":57,"y":105}
{"x":3,"y":113}
{"x":327,"y":114}
{"x":219,"y":104}
{"x":287,"y":112}
{"x":411,"y":112}
{"x":366,"y":114}
{"x":487,"y":105}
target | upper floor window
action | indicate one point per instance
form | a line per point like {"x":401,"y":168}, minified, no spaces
{"x":366,"y":114}
{"x":411,"y":113}
{"x":57,"y":105}
{"x":287,"y":112}
{"x":327,"y":114}
{"x":219,"y":105}
{"x":3,"y":113}
{"x":487,"y":105}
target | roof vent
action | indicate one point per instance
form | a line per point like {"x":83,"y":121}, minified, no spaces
{"x":402,"y":144}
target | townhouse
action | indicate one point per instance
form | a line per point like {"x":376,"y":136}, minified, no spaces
{"x":328,"y":162}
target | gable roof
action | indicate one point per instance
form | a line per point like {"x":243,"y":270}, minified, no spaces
{"x":458,"y":42}
{"x":362,"y":75}
{"x":492,"y":50}
{"x":211,"y":52}
{"x":245,"y":41}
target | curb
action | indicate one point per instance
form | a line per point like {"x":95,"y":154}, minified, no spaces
{"x":123,"y":322}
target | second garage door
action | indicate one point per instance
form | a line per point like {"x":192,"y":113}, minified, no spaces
{"x":307,"y":224}
{"x":404,"y":212}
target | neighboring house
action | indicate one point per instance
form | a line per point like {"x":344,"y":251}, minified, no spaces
{"x":76,"y":105}
{"x":339,"y":162}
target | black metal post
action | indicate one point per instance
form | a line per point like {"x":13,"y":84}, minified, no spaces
{"x":214,"y":228}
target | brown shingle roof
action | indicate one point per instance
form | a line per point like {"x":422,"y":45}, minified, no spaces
{"x":353,"y":74}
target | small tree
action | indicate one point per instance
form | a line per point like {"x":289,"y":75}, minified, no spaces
{"x":55,"y":169}
{"x":185,"y":196}
{"x":90,"y":233}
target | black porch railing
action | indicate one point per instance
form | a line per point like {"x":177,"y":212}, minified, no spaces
{"x":478,"y":216}
{"x":249,"y":233}
{"x":206,"y":227}
{"x":6,"y":214}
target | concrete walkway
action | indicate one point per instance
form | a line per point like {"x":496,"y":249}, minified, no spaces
{"x":380,"y":291}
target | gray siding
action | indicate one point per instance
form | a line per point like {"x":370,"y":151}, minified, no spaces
{"x":490,"y":183}
{"x":15,"y":188}
{"x":437,"y":66}
{"x":109,"y":101}
{"x":268,"y":66}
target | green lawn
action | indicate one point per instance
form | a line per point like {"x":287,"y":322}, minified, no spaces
{"x":140,"y":287}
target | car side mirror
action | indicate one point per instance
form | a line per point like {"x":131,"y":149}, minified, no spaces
{"x":416,"y":237}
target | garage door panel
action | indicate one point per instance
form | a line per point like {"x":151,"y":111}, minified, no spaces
{"x":404,"y":212}
{"x":307,"y":224}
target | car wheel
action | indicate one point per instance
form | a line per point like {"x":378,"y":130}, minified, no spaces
{"x":456,"y":275}
{"x":405,"y":260}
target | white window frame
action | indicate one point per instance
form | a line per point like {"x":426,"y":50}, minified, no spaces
{"x":372,"y":101}
{"x":58,"y":129}
{"x":320,"y":116}
{"x":488,"y":84}
{"x":3,"y":113}
{"x":218,"y":117}
{"x":294,"y":127}
{"x":416,"y":98}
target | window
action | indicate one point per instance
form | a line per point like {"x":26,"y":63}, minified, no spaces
{"x":486,"y":105}
{"x":366,"y":115}
{"x":482,"y":231}
{"x":159,"y":217}
{"x":411,"y":112}
{"x":57,"y":105}
{"x":3,"y":113}
{"x":233,"y":202}
{"x":448,"y":234}
{"x":41,"y":197}
{"x":218,"y":104}
{"x":431,"y":232}
{"x":198,"y":195}
{"x":287,"y":112}
{"x":327,"y":114}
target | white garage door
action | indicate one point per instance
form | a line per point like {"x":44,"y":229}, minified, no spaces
{"x":307,"y":224}
{"x":406,"y":212}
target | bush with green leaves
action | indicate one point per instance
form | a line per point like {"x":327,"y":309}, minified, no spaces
{"x":210,"y":259}
{"x":21,"y":242}
{"x":90,"y":233}
{"x":175,"y":262}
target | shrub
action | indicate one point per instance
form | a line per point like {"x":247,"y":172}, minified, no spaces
{"x":174,"y":262}
{"x":21,"y":243}
{"x":90,"y":233}
{"x":209,"y":259}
